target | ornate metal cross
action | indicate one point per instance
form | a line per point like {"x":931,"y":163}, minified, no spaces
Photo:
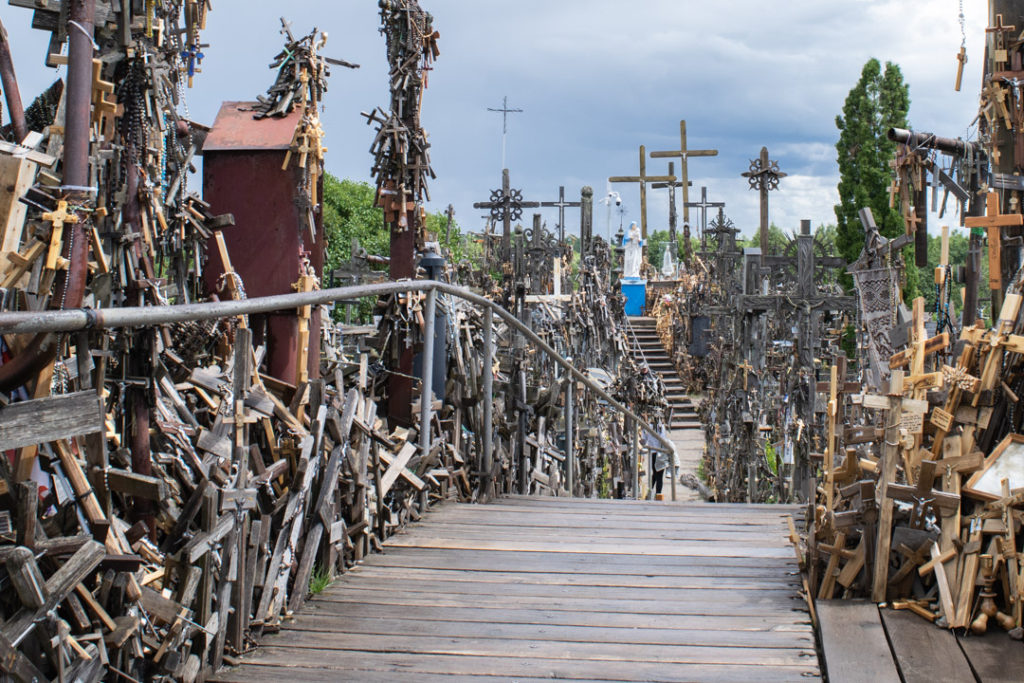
{"x":506,"y":205}
{"x":562,"y":205}
{"x":643,"y":179}
{"x":764,"y":175}
{"x":684,"y":154}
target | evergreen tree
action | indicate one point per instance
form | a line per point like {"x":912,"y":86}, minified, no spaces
{"x":878,"y":102}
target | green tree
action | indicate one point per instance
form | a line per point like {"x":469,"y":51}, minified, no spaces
{"x":878,"y":102}
{"x":349,"y":212}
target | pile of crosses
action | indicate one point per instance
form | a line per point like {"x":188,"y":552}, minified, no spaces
{"x":921,"y":498}
{"x":166,"y":498}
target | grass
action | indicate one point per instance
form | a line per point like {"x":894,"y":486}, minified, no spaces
{"x":319,"y":580}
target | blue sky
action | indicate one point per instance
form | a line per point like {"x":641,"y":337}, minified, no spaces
{"x":598,"y":78}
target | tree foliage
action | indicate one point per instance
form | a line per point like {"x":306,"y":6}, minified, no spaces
{"x":878,"y":102}
{"x":349,"y":212}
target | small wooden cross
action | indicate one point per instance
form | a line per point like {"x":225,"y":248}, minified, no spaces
{"x":993,"y":221}
{"x":999,"y":53}
{"x":747,"y":369}
{"x":58,"y":218}
{"x":961,"y":60}
{"x":923,"y":496}
{"x":103,"y":111}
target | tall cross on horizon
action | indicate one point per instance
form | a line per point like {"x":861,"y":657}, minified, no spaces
{"x":643,"y":179}
{"x":505,"y":111}
{"x":683,"y":153}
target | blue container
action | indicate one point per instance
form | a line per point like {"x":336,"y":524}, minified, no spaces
{"x":635,"y":291}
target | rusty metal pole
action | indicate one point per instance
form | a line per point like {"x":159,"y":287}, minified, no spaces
{"x":78,"y":116}
{"x":15,"y":107}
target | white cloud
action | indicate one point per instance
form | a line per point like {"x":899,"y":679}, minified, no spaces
{"x":598,"y":78}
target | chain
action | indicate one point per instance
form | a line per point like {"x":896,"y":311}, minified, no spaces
{"x":963,"y":29}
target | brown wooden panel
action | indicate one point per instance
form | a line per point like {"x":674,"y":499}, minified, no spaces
{"x":994,"y":657}
{"x":924,"y":652}
{"x":49,"y":419}
{"x":853,"y":642}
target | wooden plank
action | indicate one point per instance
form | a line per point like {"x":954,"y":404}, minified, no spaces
{"x":501,"y":613}
{"x":853,"y":642}
{"x":50,"y":419}
{"x":327,"y":643}
{"x":647,"y":580}
{"x":923,"y":652}
{"x":692,"y":548}
{"x":993,"y":657}
{"x":341,"y":664}
{"x":410,"y":627}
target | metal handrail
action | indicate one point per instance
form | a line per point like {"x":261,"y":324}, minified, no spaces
{"x":32,"y":322}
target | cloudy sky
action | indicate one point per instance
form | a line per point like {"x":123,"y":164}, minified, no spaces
{"x":598,"y":78}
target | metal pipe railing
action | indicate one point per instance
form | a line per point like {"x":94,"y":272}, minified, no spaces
{"x":34,"y":322}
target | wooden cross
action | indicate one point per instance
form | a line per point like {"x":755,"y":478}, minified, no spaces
{"x":747,"y":369}
{"x":684,"y":175}
{"x":961,"y":61}
{"x":993,"y":221}
{"x":923,"y":496}
{"x":102,"y":110}
{"x":562,"y":205}
{"x":305,"y":283}
{"x":764,"y":176}
{"x":1000,"y":32}
{"x":506,"y":205}
{"x":58,"y":218}
{"x":643,"y":179}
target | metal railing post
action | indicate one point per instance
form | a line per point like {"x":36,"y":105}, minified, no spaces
{"x":427,"y":386}
{"x":570,"y":450}
{"x":487,"y":456}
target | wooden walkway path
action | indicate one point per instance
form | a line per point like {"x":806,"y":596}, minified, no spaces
{"x":535,"y":588}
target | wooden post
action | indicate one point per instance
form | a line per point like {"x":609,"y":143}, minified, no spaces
{"x":890,"y":461}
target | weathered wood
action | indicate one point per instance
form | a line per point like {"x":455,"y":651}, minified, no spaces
{"x":924,"y":653}
{"x":44,"y":420}
{"x":853,"y":640}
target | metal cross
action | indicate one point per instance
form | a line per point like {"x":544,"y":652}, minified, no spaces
{"x":704,"y":205}
{"x":764,"y":175}
{"x":684,"y":154}
{"x":562,"y":205}
{"x":643,"y":179}
{"x":505,"y":111}
{"x":671,"y":187}
{"x":506,"y":205}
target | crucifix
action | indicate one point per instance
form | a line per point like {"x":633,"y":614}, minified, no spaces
{"x":704,"y":205}
{"x":506,"y":205}
{"x":643,"y":179}
{"x":684,"y":154}
{"x":764,"y":176}
{"x":562,"y":205}
{"x":994,"y":221}
{"x":505,"y":111}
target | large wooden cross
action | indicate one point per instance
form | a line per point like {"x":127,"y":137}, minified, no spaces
{"x":562,"y":205}
{"x":506,"y":205}
{"x":643,"y":179}
{"x":764,"y":176}
{"x":684,"y":172}
{"x":994,"y":221}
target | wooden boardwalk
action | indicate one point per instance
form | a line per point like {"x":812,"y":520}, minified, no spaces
{"x":535,"y":588}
